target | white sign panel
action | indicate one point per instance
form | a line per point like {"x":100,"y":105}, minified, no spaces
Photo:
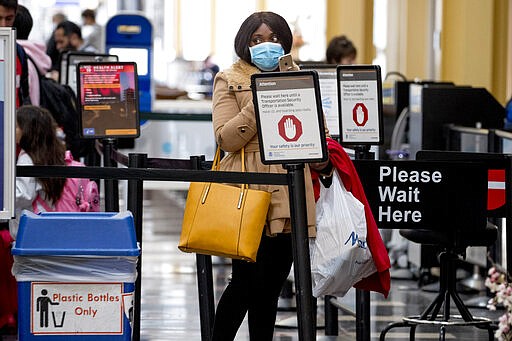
{"x":289,"y":117}
{"x":7,"y":121}
{"x":77,"y":308}
{"x":328,"y":94}
{"x":360,"y":103}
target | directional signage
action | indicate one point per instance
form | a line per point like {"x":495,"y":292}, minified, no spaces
{"x":289,"y":117}
{"x":425,"y":194}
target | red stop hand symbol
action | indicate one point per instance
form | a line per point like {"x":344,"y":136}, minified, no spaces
{"x":360,"y":114}
{"x":290,"y":128}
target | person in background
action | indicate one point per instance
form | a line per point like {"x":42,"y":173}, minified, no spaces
{"x":208,"y":72}
{"x":92,"y":33}
{"x":51,"y":48}
{"x":36,"y":134}
{"x":39,"y":62}
{"x":255,"y":287}
{"x":341,"y":51}
{"x":68,"y":37}
{"x":39,"y":145}
{"x":8,"y":10}
{"x":508,"y":115}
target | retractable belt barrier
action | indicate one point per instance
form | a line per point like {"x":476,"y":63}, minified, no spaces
{"x":138,"y":171}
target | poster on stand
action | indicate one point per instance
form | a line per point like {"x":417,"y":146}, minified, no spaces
{"x":360,"y":104}
{"x":7,"y":121}
{"x":289,"y":117}
{"x":328,"y":94}
{"x":108,"y":98}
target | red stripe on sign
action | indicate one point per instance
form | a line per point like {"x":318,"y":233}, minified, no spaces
{"x":496,"y":175}
{"x":496,"y":189}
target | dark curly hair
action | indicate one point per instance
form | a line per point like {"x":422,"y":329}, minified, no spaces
{"x":339,"y":47}
{"x":274,"y":21}
{"x":39,"y":140}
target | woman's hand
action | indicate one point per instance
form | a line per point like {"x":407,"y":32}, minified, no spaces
{"x":319,"y":166}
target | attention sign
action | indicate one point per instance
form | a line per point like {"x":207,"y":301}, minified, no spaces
{"x":289,"y":117}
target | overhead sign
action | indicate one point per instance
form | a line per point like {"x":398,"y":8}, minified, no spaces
{"x":77,"y":308}
{"x":289,"y":117}
{"x":360,"y":104}
{"x":425,"y":194}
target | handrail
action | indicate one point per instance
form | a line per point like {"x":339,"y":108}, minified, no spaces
{"x":503,"y":134}
{"x":468,"y":130}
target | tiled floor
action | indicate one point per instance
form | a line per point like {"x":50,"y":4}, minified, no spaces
{"x":169,"y":306}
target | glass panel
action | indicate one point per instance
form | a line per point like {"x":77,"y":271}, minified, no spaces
{"x":226,"y":27}
{"x":195,"y":29}
{"x":306,"y":21}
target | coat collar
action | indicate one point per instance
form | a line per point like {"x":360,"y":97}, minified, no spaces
{"x":239,"y":75}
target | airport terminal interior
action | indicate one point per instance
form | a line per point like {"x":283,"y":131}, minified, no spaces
{"x":445,"y":85}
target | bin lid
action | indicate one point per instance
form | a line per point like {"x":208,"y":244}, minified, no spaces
{"x":76,"y":233}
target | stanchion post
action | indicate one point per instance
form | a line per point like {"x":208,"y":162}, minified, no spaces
{"x":508,"y":222}
{"x":330,"y":316}
{"x":111,"y":186}
{"x":363,"y":325}
{"x":134,"y":204}
{"x":204,"y":282}
{"x":306,"y":314}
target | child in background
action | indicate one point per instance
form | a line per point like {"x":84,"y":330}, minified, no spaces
{"x":37,"y":139}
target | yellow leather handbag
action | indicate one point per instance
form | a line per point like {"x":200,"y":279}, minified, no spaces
{"x":223,"y":220}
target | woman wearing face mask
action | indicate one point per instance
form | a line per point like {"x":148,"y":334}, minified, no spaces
{"x":255,"y":287}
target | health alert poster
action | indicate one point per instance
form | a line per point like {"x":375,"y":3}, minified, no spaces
{"x":288,"y":113}
{"x":108,"y":99}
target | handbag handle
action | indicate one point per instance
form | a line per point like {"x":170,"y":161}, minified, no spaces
{"x":215,"y":167}
{"x":216,"y":159}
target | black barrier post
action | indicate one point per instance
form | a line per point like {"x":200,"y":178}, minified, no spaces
{"x":508,"y":224}
{"x":134,"y":204}
{"x":330,"y":316}
{"x":306,"y":314}
{"x":204,"y":281}
{"x":111,"y":186}
{"x":363,"y":326}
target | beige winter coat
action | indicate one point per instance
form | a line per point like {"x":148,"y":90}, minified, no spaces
{"x":234,"y":126}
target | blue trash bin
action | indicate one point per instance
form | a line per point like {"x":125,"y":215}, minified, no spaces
{"x":75,"y":275}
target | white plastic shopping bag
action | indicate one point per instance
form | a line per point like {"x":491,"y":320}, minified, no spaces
{"x":339,"y":254}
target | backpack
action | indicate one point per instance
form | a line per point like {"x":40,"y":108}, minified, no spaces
{"x":78,"y":195}
{"x":23,"y":91}
{"x":60,"y":100}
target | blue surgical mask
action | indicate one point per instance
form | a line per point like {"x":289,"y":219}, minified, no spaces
{"x":266,"y":55}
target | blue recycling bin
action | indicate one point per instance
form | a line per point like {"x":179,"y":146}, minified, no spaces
{"x":75,"y":275}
